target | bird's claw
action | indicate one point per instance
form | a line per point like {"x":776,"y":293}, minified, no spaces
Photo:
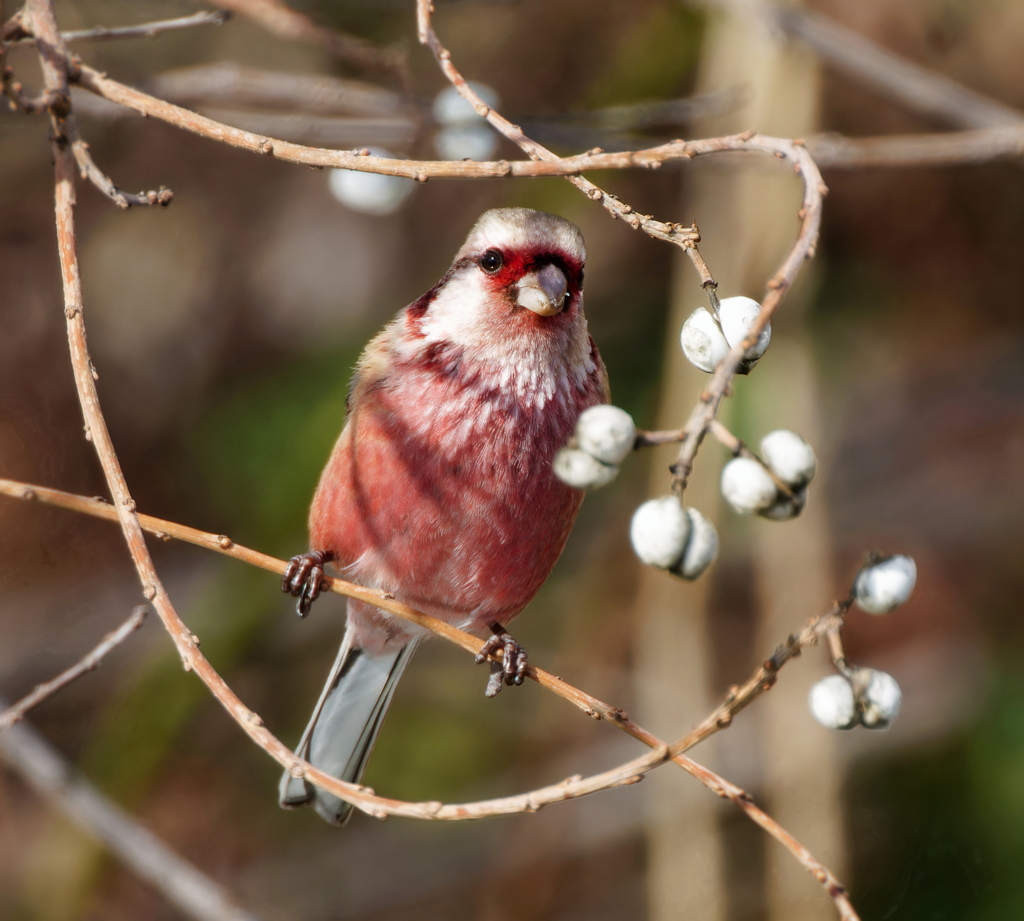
{"x":304,"y":578}
{"x":513,"y":665}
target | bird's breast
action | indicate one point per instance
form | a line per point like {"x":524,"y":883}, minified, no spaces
{"x":440,"y":490}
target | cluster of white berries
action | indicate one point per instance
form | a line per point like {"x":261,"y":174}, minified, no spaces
{"x":464,"y":134}
{"x":604,"y":436}
{"x":664,"y":534}
{"x":667,"y":535}
{"x":752,"y":488}
{"x":707,"y":339}
{"x":867,"y":697}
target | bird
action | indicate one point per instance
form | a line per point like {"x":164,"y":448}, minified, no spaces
{"x":440,"y":489}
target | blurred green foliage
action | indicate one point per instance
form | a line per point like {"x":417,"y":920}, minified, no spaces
{"x":654,"y":59}
{"x":939,"y":831}
{"x":256,"y":453}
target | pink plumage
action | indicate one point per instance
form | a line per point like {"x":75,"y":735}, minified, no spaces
{"x":440,"y":488}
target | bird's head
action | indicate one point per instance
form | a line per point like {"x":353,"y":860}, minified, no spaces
{"x":517,"y":277}
{"x":522,"y":260}
{"x":513,"y":297}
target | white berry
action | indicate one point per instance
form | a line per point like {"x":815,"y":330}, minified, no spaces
{"x":738,"y":315}
{"x":580,"y":470}
{"x":789,"y":457}
{"x":747,"y":486}
{"x":606,"y":432}
{"x":703,"y":342}
{"x":832,"y":703}
{"x":884,"y":586}
{"x":659,"y":531}
{"x":880,"y":698}
{"x":450,"y":108}
{"x":370,"y":193}
{"x":701,"y":547}
{"x":785,"y":507}
{"x":466,"y":142}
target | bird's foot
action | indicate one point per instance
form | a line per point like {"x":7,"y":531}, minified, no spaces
{"x":512,"y":667}
{"x":304,"y":578}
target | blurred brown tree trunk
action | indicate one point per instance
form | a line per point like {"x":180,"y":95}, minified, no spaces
{"x":747,"y":217}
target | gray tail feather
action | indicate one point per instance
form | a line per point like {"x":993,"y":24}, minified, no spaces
{"x":344,"y":726}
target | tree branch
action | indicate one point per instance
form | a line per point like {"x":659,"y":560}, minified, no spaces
{"x":281,"y":20}
{"x":833,"y":151}
{"x":146,"y":30}
{"x":526,"y":802}
{"x":43,"y":768}
{"x":55,"y":70}
{"x":894,"y":76}
{"x":89,"y":662}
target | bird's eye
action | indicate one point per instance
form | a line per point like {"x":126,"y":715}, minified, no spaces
{"x":491,"y":261}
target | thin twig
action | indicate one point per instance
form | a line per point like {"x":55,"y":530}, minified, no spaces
{"x":894,"y":76}
{"x":810,"y":216}
{"x":930,"y":93}
{"x":824,"y":625}
{"x":686,"y":238}
{"x":833,"y":151}
{"x":423,"y":170}
{"x":529,"y":802}
{"x":145,"y":30}
{"x":44,"y":769}
{"x":55,"y":62}
{"x":87,"y":663}
{"x":706,"y":409}
{"x":281,"y":20}
{"x":646,"y":439}
{"x":228,"y":84}
{"x":89,"y":170}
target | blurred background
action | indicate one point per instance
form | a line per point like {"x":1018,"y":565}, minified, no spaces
{"x":224,"y":329}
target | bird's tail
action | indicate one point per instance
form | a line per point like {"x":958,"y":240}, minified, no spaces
{"x":343,"y":729}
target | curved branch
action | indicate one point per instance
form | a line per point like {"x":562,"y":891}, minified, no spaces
{"x":571,"y":788}
{"x":55,"y":62}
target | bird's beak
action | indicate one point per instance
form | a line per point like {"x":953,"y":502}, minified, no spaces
{"x":543,"y":291}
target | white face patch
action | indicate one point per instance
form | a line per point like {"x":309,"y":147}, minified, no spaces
{"x":499,"y":345}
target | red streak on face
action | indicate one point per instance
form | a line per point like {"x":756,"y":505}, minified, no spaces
{"x":520,"y":262}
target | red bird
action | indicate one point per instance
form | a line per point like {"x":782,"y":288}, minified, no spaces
{"x":440,"y":488}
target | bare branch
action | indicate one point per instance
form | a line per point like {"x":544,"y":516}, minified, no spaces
{"x":687,"y":238}
{"x":89,"y":170}
{"x":226,"y":83}
{"x":87,"y":663}
{"x":281,"y":20}
{"x":892,"y":75}
{"x":833,"y":151}
{"x":810,"y":216}
{"x":825,"y":625}
{"x":423,"y":170}
{"x":706,"y":410}
{"x":571,"y":788}
{"x":149,"y":29}
{"x":43,"y":768}
{"x":146,"y":30}
{"x":55,"y":69}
